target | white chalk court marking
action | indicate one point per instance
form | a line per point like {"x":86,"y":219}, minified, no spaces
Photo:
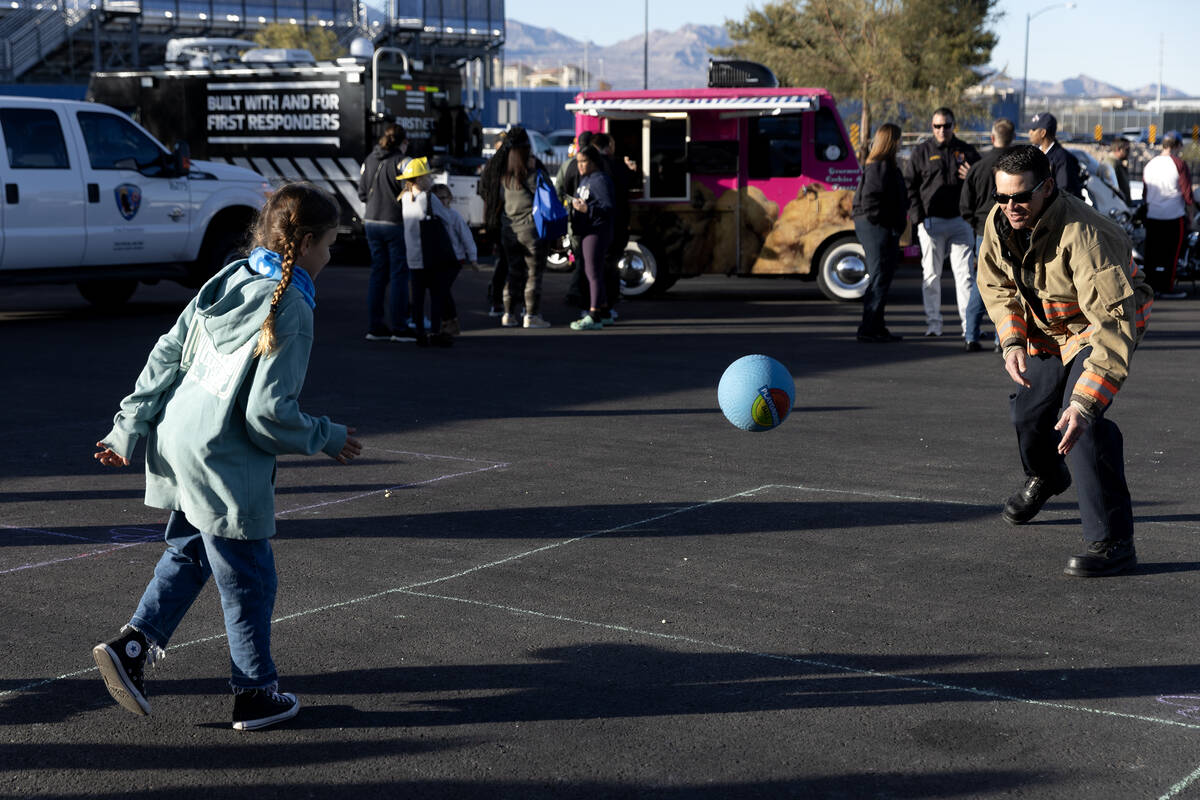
{"x":490,"y":465}
{"x":410,"y":590}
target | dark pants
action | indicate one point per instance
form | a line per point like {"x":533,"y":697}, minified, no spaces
{"x":499,"y":276}
{"x":594,"y":247}
{"x":882,"y":248}
{"x":1096,"y":462}
{"x":1164,"y":238}
{"x":432,"y":281}
{"x":526,"y":263}
{"x":449,"y":309}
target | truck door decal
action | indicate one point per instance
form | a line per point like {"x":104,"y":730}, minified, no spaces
{"x":129,"y":200}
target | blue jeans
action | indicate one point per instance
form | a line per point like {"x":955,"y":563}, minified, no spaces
{"x":389,"y":263}
{"x":244,"y":572}
{"x":975,"y":307}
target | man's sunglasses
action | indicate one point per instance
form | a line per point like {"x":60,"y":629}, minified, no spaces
{"x":944,"y":125}
{"x":1019,"y":197}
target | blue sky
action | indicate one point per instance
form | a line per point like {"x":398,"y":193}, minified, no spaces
{"x":1116,"y":41}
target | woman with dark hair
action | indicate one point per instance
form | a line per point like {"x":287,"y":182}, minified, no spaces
{"x":526,"y":253}
{"x":382,"y":223}
{"x":880,"y":214}
{"x":592,"y":212}
{"x":490,"y":191}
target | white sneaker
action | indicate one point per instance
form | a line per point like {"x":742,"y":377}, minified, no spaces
{"x":510,"y":321}
{"x":933,"y":330}
{"x":535,"y":321}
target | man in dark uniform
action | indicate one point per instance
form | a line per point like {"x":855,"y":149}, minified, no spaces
{"x":975,"y":202}
{"x":1064,"y":167}
{"x":1070,"y":305}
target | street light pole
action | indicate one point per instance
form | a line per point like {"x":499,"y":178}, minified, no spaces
{"x":1025,"y":70}
{"x":646,"y":47}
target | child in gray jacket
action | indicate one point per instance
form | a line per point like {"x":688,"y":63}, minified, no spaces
{"x":216,"y":403}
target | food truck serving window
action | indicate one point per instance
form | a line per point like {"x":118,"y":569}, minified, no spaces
{"x":667,"y":165}
{"x":775,"y":146}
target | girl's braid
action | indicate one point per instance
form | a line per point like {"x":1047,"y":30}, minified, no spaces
{"x":266,"y":337}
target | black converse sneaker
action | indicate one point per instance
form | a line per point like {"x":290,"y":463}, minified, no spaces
{"x":258,"y":708}
{"x":122,"y":662}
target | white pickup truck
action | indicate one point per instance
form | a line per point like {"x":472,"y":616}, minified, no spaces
{"x":89,"y":197}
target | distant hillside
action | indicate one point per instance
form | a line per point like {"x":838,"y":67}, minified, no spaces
{"x":678,"y":58}
{"x":1083,"y":86}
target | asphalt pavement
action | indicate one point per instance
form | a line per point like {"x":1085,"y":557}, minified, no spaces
{"x":557,"y":571}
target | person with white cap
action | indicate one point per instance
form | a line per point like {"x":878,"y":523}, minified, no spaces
{"x":1064,"y":167}
{"x":1167,"y":190}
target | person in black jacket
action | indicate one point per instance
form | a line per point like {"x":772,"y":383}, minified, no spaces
{"x":880,"y":207}
{"x":975,"y":203}
{"x":378,"y":188}
{"x":1064,"y":167}
{"x":592,"y":215}
{"x":935,"y":174}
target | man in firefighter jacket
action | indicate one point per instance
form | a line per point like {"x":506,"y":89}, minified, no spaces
{"x":1070,"y":306}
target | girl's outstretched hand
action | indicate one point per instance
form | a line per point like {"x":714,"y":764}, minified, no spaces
{"x":108,"y":457}
{"x":351,"y":449}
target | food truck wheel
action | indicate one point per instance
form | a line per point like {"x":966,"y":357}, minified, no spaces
{"x":107,"y":294}
{"x":842,"y":275}
{"x":559,"y":257}
{"x":640,"y":272}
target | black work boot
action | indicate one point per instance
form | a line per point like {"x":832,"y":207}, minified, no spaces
{"x":1106,"y":557}
{"x":1025,"y":504}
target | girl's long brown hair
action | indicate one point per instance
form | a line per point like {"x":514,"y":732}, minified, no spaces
{"x":885,"y":144}
{"x":293,"y":211}
{"x":516,"y":170}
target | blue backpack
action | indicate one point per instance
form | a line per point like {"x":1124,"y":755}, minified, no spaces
{"x":549,"y":214}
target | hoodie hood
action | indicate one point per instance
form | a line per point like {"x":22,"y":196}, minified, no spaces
{"x":233,"y":305}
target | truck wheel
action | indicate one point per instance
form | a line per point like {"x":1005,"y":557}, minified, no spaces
{"x":640,"y":273}
{"x":107,"y":294}
{"x":223,"y":247}
{"x":842,"y":275}
{"x":558,"y":259}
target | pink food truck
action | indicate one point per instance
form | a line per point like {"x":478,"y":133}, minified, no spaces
{"x":742,"y":181}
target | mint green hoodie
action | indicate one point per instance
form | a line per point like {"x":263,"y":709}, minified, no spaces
{"x":214,"y":416}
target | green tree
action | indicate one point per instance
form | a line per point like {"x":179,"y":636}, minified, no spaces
{"x":321,"y":42}
{"x":915,"y":54}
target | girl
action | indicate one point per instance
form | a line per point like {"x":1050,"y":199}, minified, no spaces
{"x":216,"y":402}
{"x":526,"y":253}
{"x":417,"y":204}
{"x":464,"y":251}
{"x":592,"y":223}
{"x":880,"y":209}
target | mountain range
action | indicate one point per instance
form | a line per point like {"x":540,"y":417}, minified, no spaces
{"x":679,"y":58}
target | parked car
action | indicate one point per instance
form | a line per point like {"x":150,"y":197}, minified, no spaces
{"x":561,"y":140}
{"x":543,"y":149}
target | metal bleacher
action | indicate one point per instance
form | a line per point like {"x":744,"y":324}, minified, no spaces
{"x":65,"y":40}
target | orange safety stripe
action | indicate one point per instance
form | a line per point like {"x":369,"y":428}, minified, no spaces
{"x":1143,"y":314}
{"x":1012,"y":325}
{"x":1097,"y":386}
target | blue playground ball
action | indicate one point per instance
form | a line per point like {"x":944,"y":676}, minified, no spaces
{"x":756,"y":393}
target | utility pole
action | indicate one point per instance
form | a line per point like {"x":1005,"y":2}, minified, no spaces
{"x":646,"y":47}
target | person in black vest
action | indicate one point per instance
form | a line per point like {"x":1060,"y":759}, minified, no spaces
{"x":566,"y":182}
{"x":935,"y":174}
